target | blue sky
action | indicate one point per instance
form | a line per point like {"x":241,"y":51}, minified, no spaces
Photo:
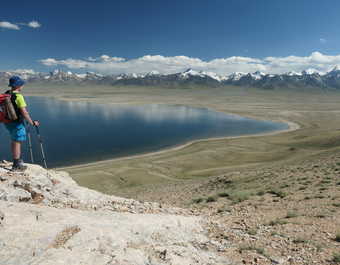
{"x":168,"y":36}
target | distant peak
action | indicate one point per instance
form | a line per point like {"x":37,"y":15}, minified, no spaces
{"x":259,"y":73}
{"x":154,"y":72}
{"x":336,"y":68}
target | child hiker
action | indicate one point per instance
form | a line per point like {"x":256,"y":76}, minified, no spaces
{"x":17,"y":128}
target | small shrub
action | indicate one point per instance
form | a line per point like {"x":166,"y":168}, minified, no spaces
{"x":292,"y":215}
{"x":278,"y":222}
{"x":223,"y":194}
{"x":223,"y":209}
{"x":284,"y":186}
{"x":240,"y":196}
{"x":319,"y":247}
{"x":336,"y":257}
{"x":325,"y":181}
{"x":337,"y":237}
{"x":252,"y":231}
{"x":252,"y":248}
{"x":336,"y":204}
{"x":198,"y":200}
{"x":278,"y":193}
{"x":261,"y":193}
{"x":211,"y":199}
{"x":300,"y":240}
{"x":320,"y":216}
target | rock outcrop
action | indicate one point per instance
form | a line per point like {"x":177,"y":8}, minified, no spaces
{"x":46,"y":218}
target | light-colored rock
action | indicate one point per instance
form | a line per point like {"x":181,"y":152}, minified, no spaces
{"x":64,"y":227}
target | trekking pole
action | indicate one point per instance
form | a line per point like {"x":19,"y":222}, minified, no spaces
{"x":41,"y":145}
{"x":30,"y":143}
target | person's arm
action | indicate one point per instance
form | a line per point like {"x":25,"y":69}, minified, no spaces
{"x":27,"y":117}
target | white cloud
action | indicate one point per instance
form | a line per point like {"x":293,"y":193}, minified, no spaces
{"x":70,"y":63}
{"x":8,"y":25}
{"x":34,"y":24}
{"x":23,"y":71}
{"x":223,"y":66}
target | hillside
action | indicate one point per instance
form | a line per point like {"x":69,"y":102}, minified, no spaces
{"x":46,"y":218}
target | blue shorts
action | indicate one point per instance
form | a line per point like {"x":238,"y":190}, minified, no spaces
{"x":17,"y":131}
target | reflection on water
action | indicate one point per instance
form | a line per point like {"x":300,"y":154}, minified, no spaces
{"x":78,"y":132}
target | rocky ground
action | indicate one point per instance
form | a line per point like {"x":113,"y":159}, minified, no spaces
{"x":46,"y":218}
{"x":283,"y":214}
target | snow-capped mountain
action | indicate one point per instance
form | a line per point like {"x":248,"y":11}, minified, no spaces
{"x":190,"y":77}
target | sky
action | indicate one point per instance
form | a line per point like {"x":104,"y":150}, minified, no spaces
{"x":168,"y":36}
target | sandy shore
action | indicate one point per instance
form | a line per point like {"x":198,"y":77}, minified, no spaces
{"x":292,"y":126}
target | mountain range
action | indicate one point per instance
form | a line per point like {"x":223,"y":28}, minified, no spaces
{"x":308,"y":78}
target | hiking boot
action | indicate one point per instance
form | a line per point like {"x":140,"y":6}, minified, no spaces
{"x":18,"y":165}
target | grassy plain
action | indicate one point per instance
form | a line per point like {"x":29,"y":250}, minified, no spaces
{"x":316,"y":111}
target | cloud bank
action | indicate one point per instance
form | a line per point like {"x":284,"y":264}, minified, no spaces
{"x":223,"y":66}
{"x":8,"y":25}
{"x":15,"y":26}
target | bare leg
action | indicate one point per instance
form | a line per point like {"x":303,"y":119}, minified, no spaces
{"x":16,"y":149}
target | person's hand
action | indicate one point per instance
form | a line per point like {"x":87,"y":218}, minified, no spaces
{"x":36,"y":123}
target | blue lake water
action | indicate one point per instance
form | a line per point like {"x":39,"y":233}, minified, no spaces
{"x":80,"y":132}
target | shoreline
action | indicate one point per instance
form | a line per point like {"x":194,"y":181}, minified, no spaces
{"x":292,"y":126}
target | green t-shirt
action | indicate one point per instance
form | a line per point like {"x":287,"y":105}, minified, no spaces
{"x":20,"y":101}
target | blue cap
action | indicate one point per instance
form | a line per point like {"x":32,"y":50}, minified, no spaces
{"x":16,"y":81}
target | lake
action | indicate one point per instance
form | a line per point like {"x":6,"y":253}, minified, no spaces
{"x":81,"y":132}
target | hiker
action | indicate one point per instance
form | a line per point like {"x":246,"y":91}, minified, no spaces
{"x":16,"y":128}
